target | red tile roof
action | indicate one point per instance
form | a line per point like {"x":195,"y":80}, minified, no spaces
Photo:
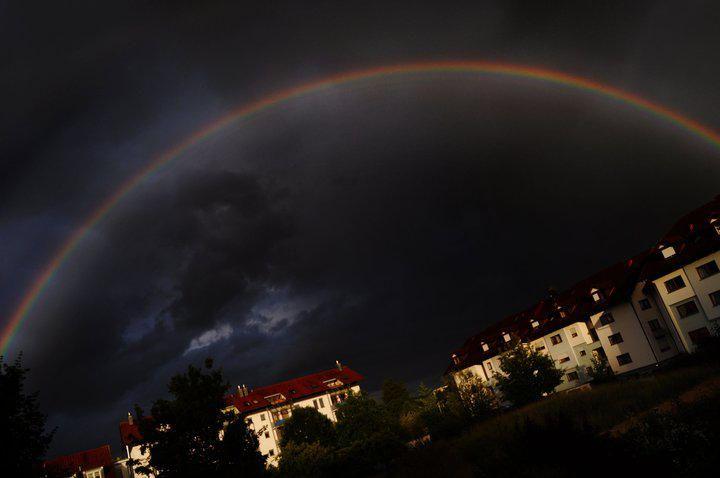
{"x":130,"y":433}
{"x":85,"y":460}
{"x":294,"y":389}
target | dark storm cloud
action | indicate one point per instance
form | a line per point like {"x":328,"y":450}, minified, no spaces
{"x":379,"y":226}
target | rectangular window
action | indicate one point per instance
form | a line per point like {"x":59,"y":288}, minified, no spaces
{"x":573,"y":332}
{"x":624,"y":359}
{"x":615,"y":339}
{"x":322,"y":403}
{"x":271,"y":452}
{"x":654,"y":324}
{"x":606,"y":318}
{"x":535,"y":323}
{"x":674,"y":284}
{"x":715,"y":298}
{"x":489,"y":366}
{"x":556,"y":339}
{"x":708,"y":269}
{"x":687,"y":309}
{"x":573,"y":376}
{"x":699,"y":335}
{"x":583,"y":353}
{"x":644,"y":304}
{"x":267,"y":434}
{"x":540,"y":348}
{"x":315,"y":404}
{"x":564,"y":359}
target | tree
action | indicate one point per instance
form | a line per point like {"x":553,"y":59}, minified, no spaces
{"x":185,"y":434}
{"x":22,"y":423}
{"x":396,"y":397}
{"x":307,"y":460}
{"x":307,"y":425}
{"x":600,"y":369}
{"x":527,"y":375}
{"x":477,"y":400}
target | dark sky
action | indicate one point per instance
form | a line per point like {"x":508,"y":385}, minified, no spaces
{"x":379,"y":224}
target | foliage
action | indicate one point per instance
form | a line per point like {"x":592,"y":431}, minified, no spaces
{"x":396,"y":398}
{"x":307,"y":425}
{"x":21,"y":422}
{"x":476,"y":399}
{"x":600,"y":370}
{"x":526,"y":375}
{"x":361,"y":418}
{"x":307,"y":460}
{"x":184,"y":434}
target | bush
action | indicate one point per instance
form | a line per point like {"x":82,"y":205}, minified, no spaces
{"x":307,"y":425}
{"x":527,"y":375}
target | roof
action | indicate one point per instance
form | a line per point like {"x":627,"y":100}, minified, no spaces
{"x":85,"y":460}
{"x":130,"y":432}
{"x":295,"y":389}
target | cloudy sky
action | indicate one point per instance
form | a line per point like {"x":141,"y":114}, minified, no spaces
{"x":379,"y":223}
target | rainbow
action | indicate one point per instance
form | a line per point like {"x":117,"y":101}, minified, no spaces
{"x":44,"y":278}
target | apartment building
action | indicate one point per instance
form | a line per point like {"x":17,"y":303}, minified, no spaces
{"x":636,"y":313}
{"x":266,"y":409}
{"x":95,"y":463}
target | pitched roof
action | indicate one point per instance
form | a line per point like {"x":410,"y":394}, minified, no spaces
{"x":130,"y":432}
{"x":295,"y":389}
{"x":85,"y":460}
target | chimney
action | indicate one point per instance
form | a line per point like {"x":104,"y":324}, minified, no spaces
{"x":246,"y":389}
{"x":339,"y":365}
{"x":130,"y":418}
{"x":240,"y":391}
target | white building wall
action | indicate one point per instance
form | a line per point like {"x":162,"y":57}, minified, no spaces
{"x":634,"y":342}
{"x":704,"y":287}
{"x":663,"y":341}
{"x":671,"y":300}
{"x":565,"y":353}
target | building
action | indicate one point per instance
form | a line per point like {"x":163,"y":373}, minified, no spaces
{"x":265,"y":409}
{"x":635,"y":314}
{"x":95,"y":463}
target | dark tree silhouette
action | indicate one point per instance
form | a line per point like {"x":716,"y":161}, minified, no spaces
{"x":21,"y":422}
{"x":190,"y":436}
{"x":307,"y":425}
{"x":527,"y":375}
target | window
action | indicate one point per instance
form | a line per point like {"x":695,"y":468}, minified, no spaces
{"x":564,"y":359}
{"x":573,"y":332}
{"x":606,"y":318}
{"x":93,"y":474}
{"x":267,"y":434}
{"x":708,"y":269}
{"x":572,"y":377}
{"x":485,"y":347}
{"x":624,"y":359}
{"x":596,"y":295}
{"x":556,"y":339}
{"x":644,"y":304}
{"x":615,"y":339}
{"x":315,"y":404}
{"x":535,"y":324}
{"x":540,"y":347}
{"x":654,"y":324}
{"x":506,"y":337}
{"x":262,"y":417}
{"x":687,"y":309}
{"x":321,"y":402}
{"x":271,"y":452}
{"x":715,"y":298}
{"x":674,"y":284}
{"x":583,"y":353}
{"x":668,"y":252}
{"x":489,"y":366}
{"x":699,"y":335}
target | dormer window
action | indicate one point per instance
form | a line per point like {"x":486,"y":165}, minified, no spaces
{"x":455,"y":359}
{"x":535,"y":324}
{"x":668,"y":252}
{"x":597,"y":295}
{"x":276,"y":398}
{"x":506,"y":337}
{"x":485,"y":347}
{"x":716,"y":225}
{"x":562,"y":313}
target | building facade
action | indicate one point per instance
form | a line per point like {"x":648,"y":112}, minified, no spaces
{"x":265,"y":409}
{"x":634,"y":314}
